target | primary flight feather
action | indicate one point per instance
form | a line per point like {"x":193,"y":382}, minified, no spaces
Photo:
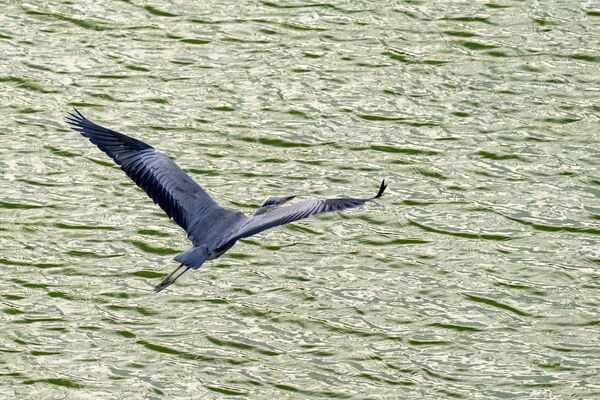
{"x":212,"y":229}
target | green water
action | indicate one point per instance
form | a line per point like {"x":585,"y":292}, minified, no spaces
{"x":475,"y":277}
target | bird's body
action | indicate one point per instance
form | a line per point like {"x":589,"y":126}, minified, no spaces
{"x":212,"y":229}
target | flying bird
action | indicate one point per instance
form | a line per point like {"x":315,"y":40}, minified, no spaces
{"x":211,"y":228}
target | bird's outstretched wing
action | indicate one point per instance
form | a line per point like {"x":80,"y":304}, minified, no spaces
{"x":295,"y":212}
{"x":171,"y":188}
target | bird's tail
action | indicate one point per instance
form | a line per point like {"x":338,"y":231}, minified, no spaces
{"x":193,"y":257}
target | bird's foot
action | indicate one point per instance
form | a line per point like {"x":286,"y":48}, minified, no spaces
{"x":165,"y":282}
{"x":169,"y":279}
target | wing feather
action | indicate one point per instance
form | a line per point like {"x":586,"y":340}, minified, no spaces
{"x":164,"y":182}
{"x":298,"y":211}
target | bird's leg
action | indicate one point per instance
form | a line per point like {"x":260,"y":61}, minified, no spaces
{"x":173,"y":273}
{"x":169,"y":279}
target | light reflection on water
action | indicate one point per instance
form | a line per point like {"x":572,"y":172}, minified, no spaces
{"x":474,"y":277}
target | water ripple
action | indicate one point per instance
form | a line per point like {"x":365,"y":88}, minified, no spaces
{"x":476,"y":276}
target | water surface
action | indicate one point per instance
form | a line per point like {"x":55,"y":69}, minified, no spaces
{"x":476,"y":276}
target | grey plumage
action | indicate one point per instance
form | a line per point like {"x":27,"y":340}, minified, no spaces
{"x":212,"y":229}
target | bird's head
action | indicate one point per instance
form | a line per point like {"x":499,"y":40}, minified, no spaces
{"x":272,"y":202}
{"x":276,"y":201}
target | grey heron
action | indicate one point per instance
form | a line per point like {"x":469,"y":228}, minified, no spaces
{"x":211,"y":228}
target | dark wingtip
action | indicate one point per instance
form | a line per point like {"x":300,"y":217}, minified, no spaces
{"x":381,"y":189}
{"x":76,"y":113}
{"x":74,"y":118}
